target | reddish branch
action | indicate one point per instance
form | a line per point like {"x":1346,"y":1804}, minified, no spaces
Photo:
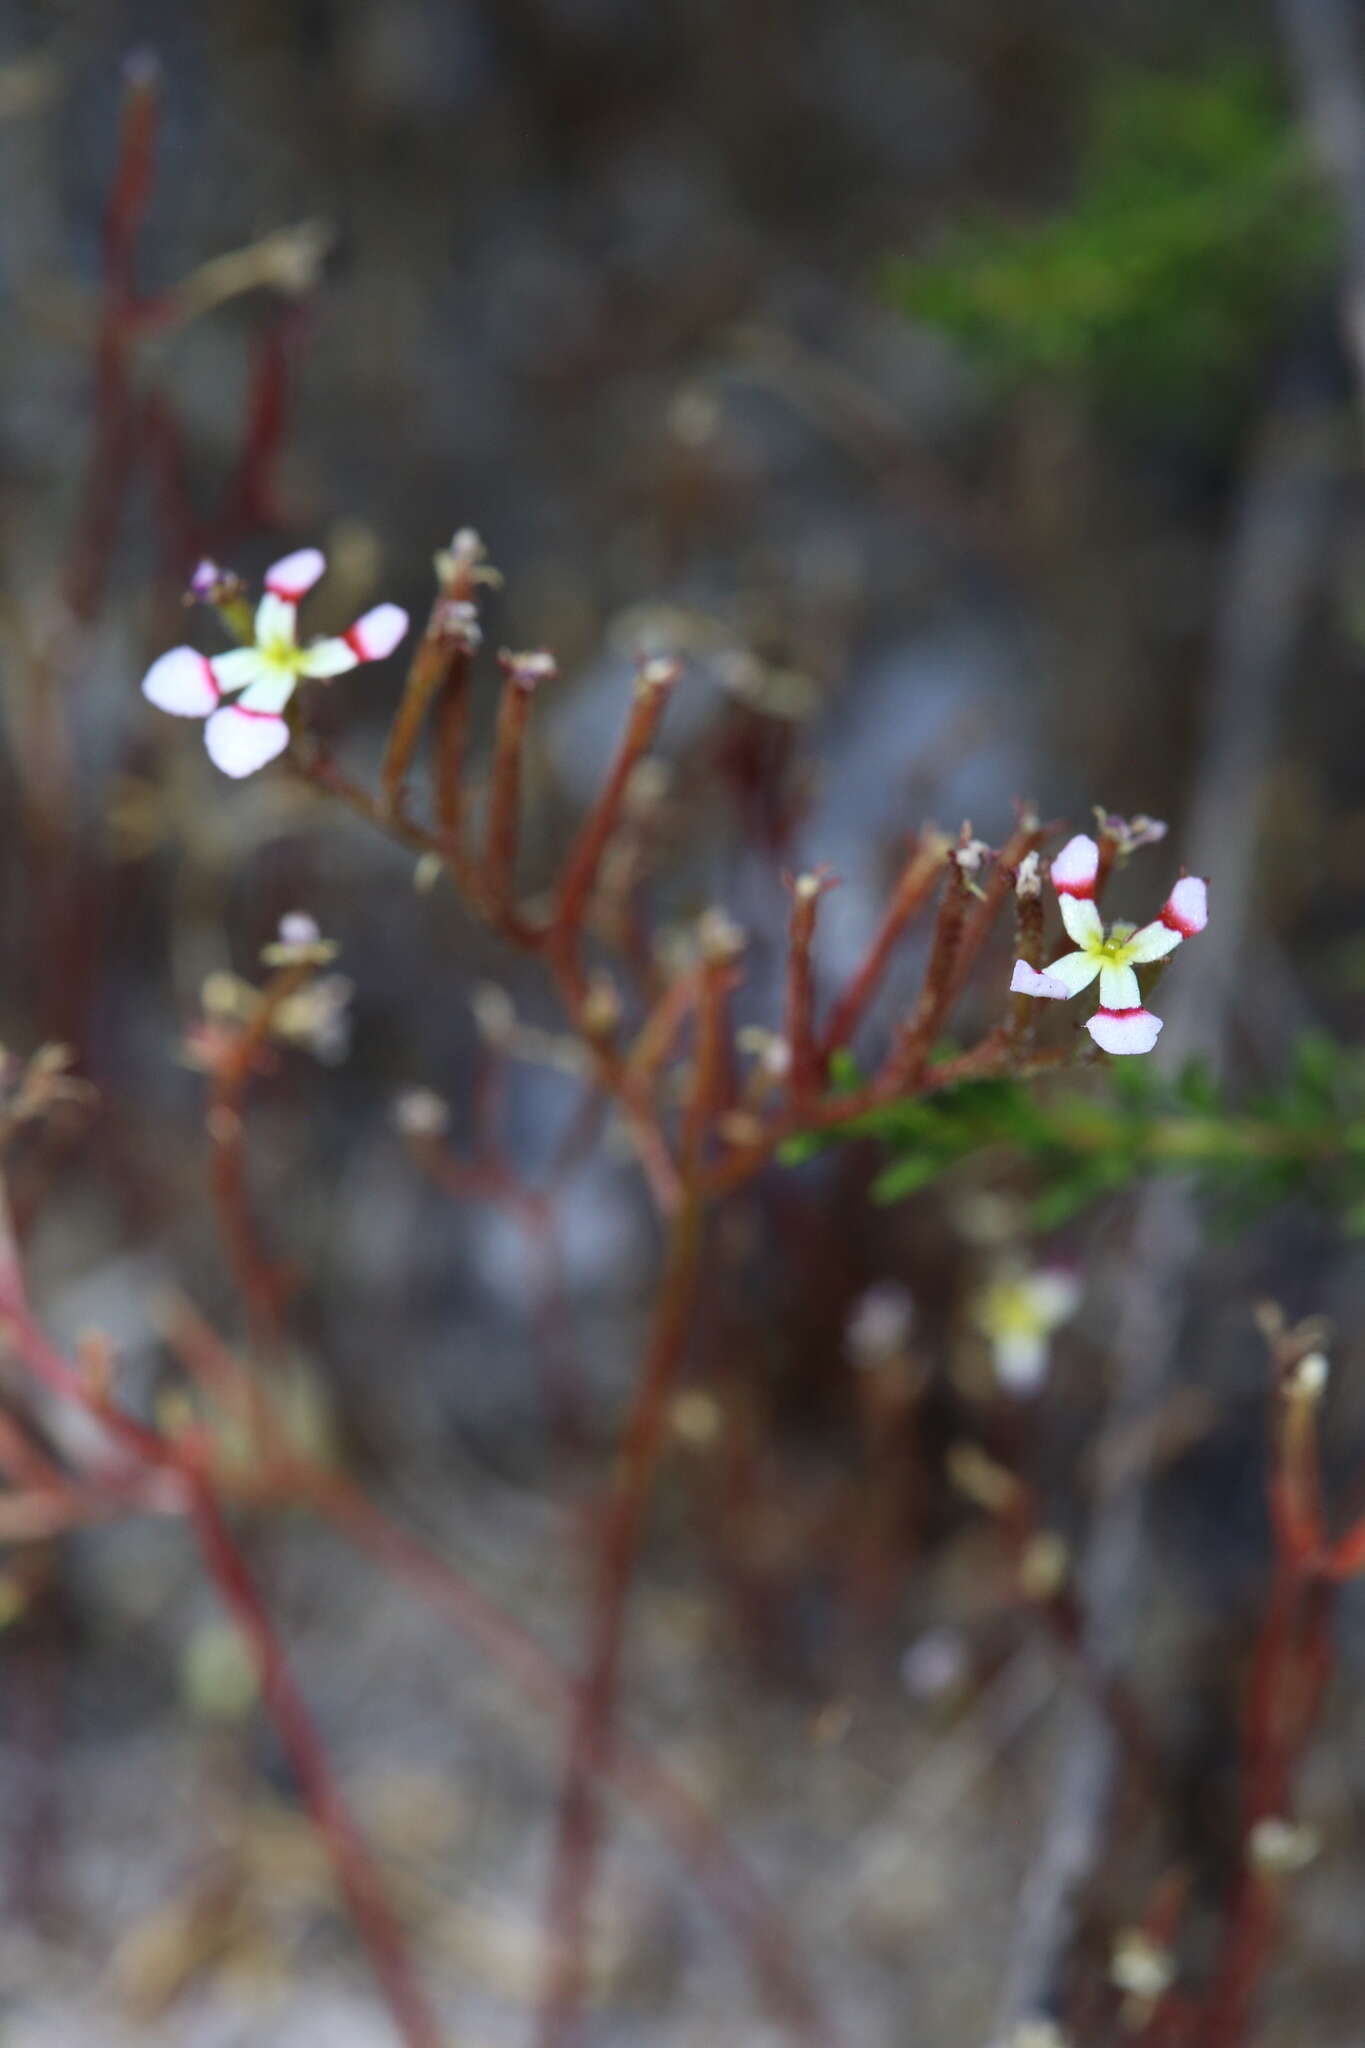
{"x":592,"y":1730}
{"x":356,"y":1874}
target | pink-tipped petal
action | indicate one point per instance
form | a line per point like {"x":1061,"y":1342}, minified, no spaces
{"x":240,"y":742}
{"x":294,"y":575}
{"x":377,"y":632}
{"x":1027,"y":981}
{"x":1124,"y":1031}
{"x":182,"y":683}
{"x":1076,"y":866}
{"x":1186,"y":909}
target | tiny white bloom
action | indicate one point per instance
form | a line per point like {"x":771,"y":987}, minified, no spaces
{"x":243,"y":735}
{"x":1017,"y":1313}
{"x":1121,"y":1024}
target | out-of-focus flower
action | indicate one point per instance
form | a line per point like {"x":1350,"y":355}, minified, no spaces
{"x":1129,"y":834}
{"x":1121,"y":1024}
{"x":1036,"y":2034}
{"x":1141,"y":1968}
{"x":936,"y":1665}
{"x":878,"y":1330}
{"x":244,"y":734}
{"x":1282,"y":1847}
{"x":421,"y":1115}
{"x":1017,"y":1313}
{"x":298,"y":943}
{"x":315,"y":1018}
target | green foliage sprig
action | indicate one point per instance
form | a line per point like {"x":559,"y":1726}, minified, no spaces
{"x":1306,"y":1136}
{"x":1195,"y":224}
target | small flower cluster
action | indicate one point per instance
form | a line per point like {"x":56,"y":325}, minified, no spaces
{"x":260,"y":678}
{"x":1121,"y":1024}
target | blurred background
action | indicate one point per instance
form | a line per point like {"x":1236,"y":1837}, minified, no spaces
{"x":965,"y":392}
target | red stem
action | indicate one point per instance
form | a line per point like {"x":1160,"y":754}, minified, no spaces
{"x":592,"y":1732}
{"x":355,"y":1871}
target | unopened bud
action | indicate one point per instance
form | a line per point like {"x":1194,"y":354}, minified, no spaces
{"x":420,"y":1113}
{"x":981,"y":1479}
{"x":600,"y":1016}
{"x":1141,"y":1968}
{"x":494,"y":1014}
{"x":660,"y":673}
{"x":528,"y":671}
{"x":1280,"y":1847}
{"x":1307,"y":1381}
{"x":1028,"y":878}
{"x":720,"y":938}
{"x":1044,"y":1567}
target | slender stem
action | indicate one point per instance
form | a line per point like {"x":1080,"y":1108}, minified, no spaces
{"x":591,"y":1739}
{"x":522,"y":673}
{"x":652,"y":689}
{"x":916,"y":884}
{"x":685,"y":1824}
{"x":356,"y":1874}
{"x":804,"y":1073}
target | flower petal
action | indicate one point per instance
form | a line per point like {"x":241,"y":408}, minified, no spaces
{"x":1119,"y":989}
{"x":238,"y":667}
{"x":1056,"y":1296}
{"x":240,"y":742}
{"x":377,"y":632}
{"x":182,"y":683}
{"x":1076,"y":866}
{"x":270,"y":693}
{"x":327,"y":658}
{"x":1075,"y":971}
{"x":1153,"y":942}
{"x":1186,"y":909}
{"x":1124,"y":1031}
{"x":1027,"y":981}
{"x":1020,"y":1360}
{"x":276,"y":622}
{"x":1082,"y":920}
{"x":294,"y":575}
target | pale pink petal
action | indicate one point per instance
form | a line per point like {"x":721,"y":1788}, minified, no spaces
{"x":377,"y":632}
{"x":293,"y":576}
{"x":1076,"y":866}
{"x":182,"y":683}
{"x":238,"y":667}
{"x":1074,"y":971}
{"x":277,"y":623}
{"x":327,"y":658}
{"x":1153,"y":942}
{"x":1082,"y":920}
{"x":1186,"y":909}
{"x":240,"y":742}
{"x":1119,"y":989}
{"x":1124,"y":1031}
{"x":1027,"y":981}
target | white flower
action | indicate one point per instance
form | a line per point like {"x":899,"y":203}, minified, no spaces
{"x":1121,"y":1024}
{"x":241,"y":736}
{"x":1017,"y":1314}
